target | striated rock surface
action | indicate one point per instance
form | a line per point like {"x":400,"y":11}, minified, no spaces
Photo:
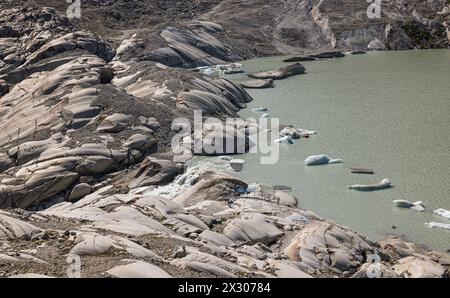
{"x":76,"y":113}
{"x":140,"y":234}
{"x":185,"y":34}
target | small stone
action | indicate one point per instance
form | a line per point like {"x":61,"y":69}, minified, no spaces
{"x":288,"y":228}
{"x":25,"y":237}
{"x":180,"y":253}
{"x":45,"y":236}
{"x":193,"y":236}
{"x":237,"y":164}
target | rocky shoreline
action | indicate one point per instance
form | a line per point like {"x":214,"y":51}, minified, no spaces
{"x":201,"y":227}
{"x":89,"y":186}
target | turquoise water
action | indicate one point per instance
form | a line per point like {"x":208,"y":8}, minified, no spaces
{"x":387,"y":111}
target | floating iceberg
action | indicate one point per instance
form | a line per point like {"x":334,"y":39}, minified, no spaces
{"x":418,"y":206}
{"x":322,"y":159}
{"x":206,"y":70}
{"x":296,"y":133}
{"x":438,"y":225}
{"x":285,"y":140}
{"x":259,"y":110}
{"x":402,"y":203}
{"x":237,"y":164}
{"x":386,"y":183}
{"x":443,"y":213}
{"x":232,"y":68}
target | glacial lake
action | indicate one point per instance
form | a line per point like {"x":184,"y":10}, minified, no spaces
{"x":386,"y":111}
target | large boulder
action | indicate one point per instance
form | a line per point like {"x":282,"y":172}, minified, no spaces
{"x":285,"y":199}
{"x":80,"y":191}
{"x":208,"y":263}
{"x":414,"y":267}
{"x":216,"y":238}
{"x":210,"y":186}
{"x":251,"y":229}
{"x":11,"y":228}
{"x":323,"y":246}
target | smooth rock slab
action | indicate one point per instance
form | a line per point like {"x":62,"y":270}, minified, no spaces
{"x":257,"y":84}
{"x":137,"y":141}
{"x":11,"y":228}
{"x":216,"y":238}
{"x":210,"y":186}
{"x":283,"y":270}
{"x":192,"y":220}
{"x":80,"y":191}
{"x":138,"y":270}
{"x":129,"y":221}
{"x":208,"y":268}
{"x":252,"y":230}
{"x":321,"y":159}
{"x":92,"y":244}
{"x":285,"y":199}
{"x":195,"y":255}
{"x":181,"y":228}
{"x":8,"y":259}
{"x":165,"y":206}
{"x":115,"y":123}
{"x":414,"y":267}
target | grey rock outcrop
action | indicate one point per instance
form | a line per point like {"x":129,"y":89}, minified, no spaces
{"x":282,"y":73}
{"x":69,"y":114}
{"x":258,"y":236}
{"x":257,"y":84}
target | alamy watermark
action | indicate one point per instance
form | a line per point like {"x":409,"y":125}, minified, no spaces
{"x":375,"y":269}
{"x":374,"y":9}
{"x":74,"y":266}
{"x":74,"y":9}
{"x":212,"y":136}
